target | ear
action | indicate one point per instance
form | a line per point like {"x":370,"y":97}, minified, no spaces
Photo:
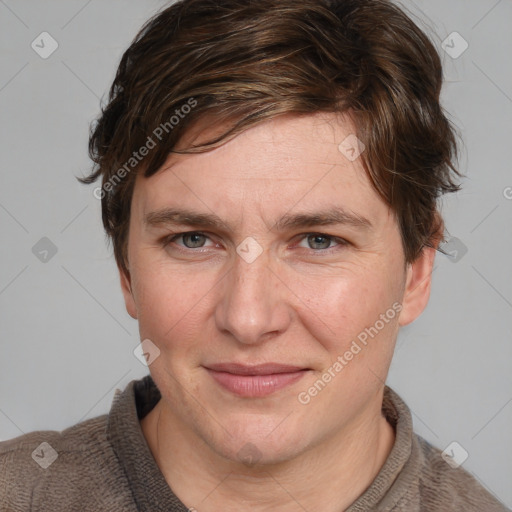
{"x":126,"y":287}
{"x":417,"y":286}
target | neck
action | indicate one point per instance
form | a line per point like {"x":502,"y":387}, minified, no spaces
{"x":339,"y":469}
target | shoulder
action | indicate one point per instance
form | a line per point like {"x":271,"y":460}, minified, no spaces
{"x":443,"y":485}
{"x":68,"y":470}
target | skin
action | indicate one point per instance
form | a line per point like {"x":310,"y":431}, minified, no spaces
{"x":301,"y":302}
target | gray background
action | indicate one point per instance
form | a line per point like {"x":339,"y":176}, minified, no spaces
{"x":66,"y":340}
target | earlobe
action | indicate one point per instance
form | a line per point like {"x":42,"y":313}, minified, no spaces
{"x":417,"y":286}
{"x":126,"y":288}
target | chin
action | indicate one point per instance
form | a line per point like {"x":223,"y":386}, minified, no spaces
{"x":252,"y":443}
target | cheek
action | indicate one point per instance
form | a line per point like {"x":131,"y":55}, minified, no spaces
{"x":335,"y":310}
{"x":170,"y":306}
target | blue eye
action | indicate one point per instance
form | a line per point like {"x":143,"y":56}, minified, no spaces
{"x":316,"y":242}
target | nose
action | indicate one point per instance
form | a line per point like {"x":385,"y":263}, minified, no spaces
{"x":253,"y":306}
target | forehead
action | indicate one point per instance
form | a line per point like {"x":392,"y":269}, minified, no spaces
{"x":287,"y":163}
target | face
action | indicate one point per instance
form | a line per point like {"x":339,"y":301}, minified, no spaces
{"x":271,"y":277}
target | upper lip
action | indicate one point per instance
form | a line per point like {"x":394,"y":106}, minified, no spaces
{"x":259,"y":369}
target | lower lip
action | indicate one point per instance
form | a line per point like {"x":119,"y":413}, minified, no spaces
{"x":255,"y":385}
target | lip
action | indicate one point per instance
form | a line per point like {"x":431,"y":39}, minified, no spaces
{"x":255,"y":380}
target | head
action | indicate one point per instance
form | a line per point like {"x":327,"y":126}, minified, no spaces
{"x":303,"y":148}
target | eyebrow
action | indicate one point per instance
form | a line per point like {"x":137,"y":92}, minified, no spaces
{"x":184,"y":217}
{"x":288,"y":221}
{"x":323,"y":218}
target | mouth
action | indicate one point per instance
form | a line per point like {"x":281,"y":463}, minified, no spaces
{"x":255,"y":381}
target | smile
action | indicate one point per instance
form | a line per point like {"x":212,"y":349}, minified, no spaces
{"x":255,"y":381}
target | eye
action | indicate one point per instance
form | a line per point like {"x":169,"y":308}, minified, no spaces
{"x":190,"y":240}
{"x":193,"y":240}
{"x":319,"y":241}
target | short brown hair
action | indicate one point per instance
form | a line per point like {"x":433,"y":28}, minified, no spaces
{"x":248,"y":61}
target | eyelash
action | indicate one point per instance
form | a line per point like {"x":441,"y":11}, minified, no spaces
{"x":172,"y":238}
